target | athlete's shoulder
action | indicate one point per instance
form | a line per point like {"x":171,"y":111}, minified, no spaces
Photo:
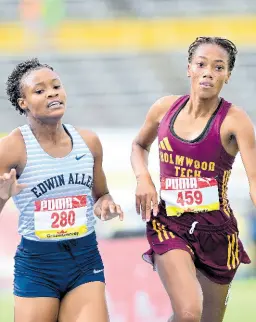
{"x":237,"y":118}
{"x":237,"y":113}
{"x":12,"y":148}
{"x":166,"y":101}
{"x":13,"y":139}
{"x":161,"y":106}
{"x":92,"y":140}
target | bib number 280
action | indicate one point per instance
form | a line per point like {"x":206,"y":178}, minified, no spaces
{"x":189,"y":197}
{"x":63,"y":219}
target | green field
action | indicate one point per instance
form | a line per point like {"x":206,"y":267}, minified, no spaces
{"x":241,"y":307}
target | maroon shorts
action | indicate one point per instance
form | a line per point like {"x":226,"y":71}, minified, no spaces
{"x":215,"y":249}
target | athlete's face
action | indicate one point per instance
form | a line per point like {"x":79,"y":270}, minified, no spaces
{"x":208,"y":70}
{"x":44,"y":97}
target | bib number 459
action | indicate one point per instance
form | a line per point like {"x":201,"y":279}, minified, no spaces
{"x":189,"y":197}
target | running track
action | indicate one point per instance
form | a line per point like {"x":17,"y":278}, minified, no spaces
{"x":133,"y":290}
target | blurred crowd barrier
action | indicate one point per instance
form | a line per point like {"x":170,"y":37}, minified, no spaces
{"x":117,"y":57}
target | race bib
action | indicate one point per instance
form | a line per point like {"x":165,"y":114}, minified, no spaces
{"x":61,"y":217}
{"x":189,"y":195}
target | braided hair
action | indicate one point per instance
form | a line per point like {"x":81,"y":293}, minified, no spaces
{"x":14,"y":81}
{"x":224,"y":43}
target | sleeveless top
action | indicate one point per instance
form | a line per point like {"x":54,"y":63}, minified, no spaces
{"x":195,"y":173}
{"x":57,"y":203}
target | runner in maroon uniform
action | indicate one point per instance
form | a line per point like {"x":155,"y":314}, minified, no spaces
{"x":193,"y":233}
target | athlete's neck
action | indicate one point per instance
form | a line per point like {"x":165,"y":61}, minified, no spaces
{"x":47,"y":132}
{"x":198,"y":107}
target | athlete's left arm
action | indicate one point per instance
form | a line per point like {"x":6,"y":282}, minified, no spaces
{"x":104,"y":208}
{"x":244,"y":133}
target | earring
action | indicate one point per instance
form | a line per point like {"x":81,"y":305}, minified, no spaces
{"x":226,"y":81}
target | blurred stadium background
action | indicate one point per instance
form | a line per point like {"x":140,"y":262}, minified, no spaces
{"x":116,"y":57}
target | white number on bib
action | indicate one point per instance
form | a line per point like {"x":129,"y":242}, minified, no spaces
{"x":61,"y":217}
{"x":189,"y":195}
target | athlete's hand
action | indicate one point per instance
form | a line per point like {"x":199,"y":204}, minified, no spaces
{"x":9,"y":186}
{"x":146,"y":198}
{"x":108,"y":210}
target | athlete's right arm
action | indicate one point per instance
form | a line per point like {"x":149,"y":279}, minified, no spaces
{"x":146,"y":192}
{"x":10,"y":154}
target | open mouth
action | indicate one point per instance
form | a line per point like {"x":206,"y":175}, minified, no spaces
{"x":206,"y":85}
{"x":55,"y":104}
